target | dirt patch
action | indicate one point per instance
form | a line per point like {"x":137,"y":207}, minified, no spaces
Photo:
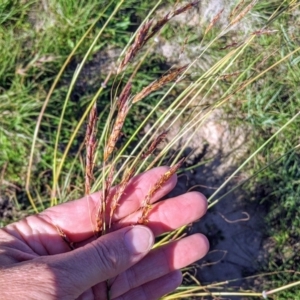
{"x":177,"y":51}
{"x":235,"y":225}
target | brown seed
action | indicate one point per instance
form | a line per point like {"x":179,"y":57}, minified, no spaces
{"x":145,"y":34}
{"x":159,"y":83}
{"x":124,"y":94}
{"x":146,"y":205}
{"x":214,"y":21}
{"x":90,"y":143}
{"x":118,"y":125}
{"x":160,"y":23}
{"x":243,"y":12}
{"x":138,"y":43}
{"x":119,"y":192}
{"x":154,"y":144}
{"x":108,"y":183}
{"x":99,"y":221}
{"x":237,"y":7}
{"x":184,"y":8}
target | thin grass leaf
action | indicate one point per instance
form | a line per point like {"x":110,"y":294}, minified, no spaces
{"x":154,"y":144}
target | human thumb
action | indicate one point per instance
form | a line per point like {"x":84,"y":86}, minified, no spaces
{"x":101,"y":259}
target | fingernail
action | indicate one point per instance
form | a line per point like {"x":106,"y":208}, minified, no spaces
{"x":139,"y":239}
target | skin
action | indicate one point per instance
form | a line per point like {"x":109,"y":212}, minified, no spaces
{"x":36,"y":263}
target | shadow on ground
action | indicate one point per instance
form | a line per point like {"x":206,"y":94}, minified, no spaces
{"x":235,"y":225}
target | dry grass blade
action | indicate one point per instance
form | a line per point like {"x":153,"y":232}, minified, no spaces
{"x":154,"y":144}
{"x":157,"y":84}
{"x":226,"y":76}
{"x":144,"y":34}
{"x":214,"y":21}
{"x":159,"y":24}
{"x":146,"y":206}
{"x":124,"y":106}
{"x":237,"y":7}
{"x":184,"y":8}
{"x":243,"y":13}
{"x":138,"y":43}
{"x":90,"y":143}
{"x":124,"y":94}
{"x":119,"y":192}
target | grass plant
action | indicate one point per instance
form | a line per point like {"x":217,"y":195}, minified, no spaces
{"x":91,"y":136}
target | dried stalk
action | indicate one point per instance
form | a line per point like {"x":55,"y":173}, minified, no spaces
{"x":154,"y":144}
{"x":226,"y":76}
{"x":237,"y":7}
{"x":123,"y":108}
{"x":124,"y":95}
{"x":146,"y":205}
{"x":90,"y":143}
{"x":162,"y":22}
{"x":145,"y":34}
{"x":243,"y":12}
{"x":138,"y":43}
{"x":157,"y":84}
{"x":214,"y":21}
{"x":123,"y":105}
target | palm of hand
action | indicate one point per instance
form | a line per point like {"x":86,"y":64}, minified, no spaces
{"x":39,"y":263}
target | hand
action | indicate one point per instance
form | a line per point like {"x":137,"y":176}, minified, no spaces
{"x":36,"y":263}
